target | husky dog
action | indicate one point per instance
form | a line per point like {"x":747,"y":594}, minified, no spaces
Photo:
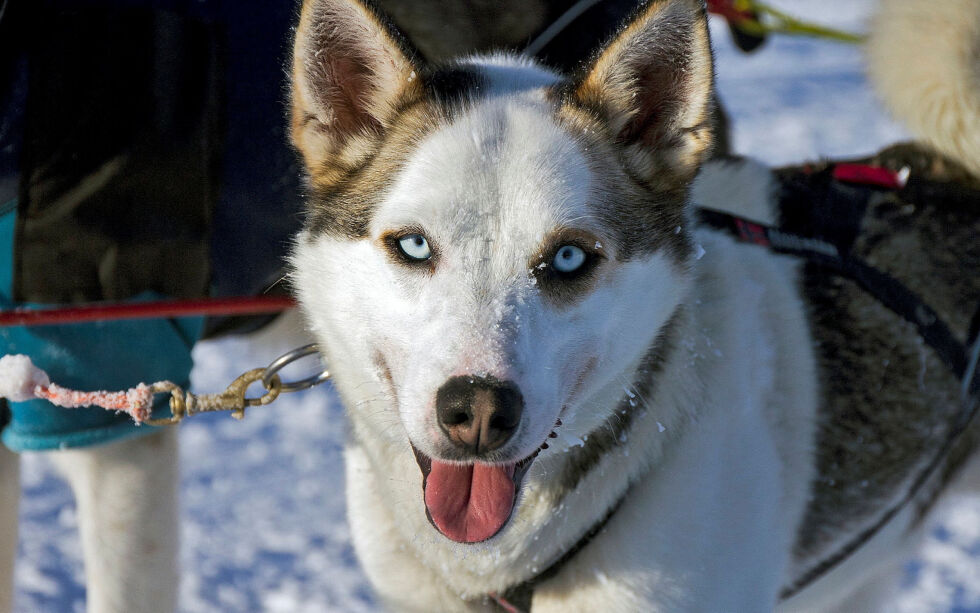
{"x":563,"y":392}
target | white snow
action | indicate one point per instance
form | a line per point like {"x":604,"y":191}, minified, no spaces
{"x":263,"y":521}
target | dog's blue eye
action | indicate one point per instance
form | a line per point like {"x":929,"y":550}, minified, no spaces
{"x":415,"y":247}
{"x":569,"y":258}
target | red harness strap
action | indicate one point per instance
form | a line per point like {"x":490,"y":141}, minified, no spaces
{"x":163,"y":309}
{"x":875,"y":176}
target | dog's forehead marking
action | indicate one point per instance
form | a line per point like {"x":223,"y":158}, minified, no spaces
{"x":503,"y":167}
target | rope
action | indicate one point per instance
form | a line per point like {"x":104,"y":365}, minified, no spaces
{"x":20,"y":381}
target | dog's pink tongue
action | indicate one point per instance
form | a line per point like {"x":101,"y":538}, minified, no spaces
{"x":469,"y":503}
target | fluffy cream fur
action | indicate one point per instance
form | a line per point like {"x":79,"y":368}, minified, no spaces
{"x":924,"y":60}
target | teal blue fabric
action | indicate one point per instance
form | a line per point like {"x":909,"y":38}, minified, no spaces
{"x":112,"y":355}
{"x":8,"y":221}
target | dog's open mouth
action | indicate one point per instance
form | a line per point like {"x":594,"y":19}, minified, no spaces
{"x":469,"y":503}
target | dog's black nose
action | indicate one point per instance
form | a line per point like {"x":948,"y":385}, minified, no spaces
{"x":478,"y":414}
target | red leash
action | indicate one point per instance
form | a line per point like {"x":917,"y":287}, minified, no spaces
{"x":158,"y":309}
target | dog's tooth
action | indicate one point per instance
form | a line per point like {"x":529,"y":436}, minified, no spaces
{"x":553,"y":434}
{"x":544,"y":445}
{"x":557,"y":422}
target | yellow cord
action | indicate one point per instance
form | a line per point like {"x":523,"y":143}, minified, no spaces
{"x":779,"y":22}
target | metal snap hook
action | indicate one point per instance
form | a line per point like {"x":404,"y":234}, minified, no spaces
{"x":287,"y":358}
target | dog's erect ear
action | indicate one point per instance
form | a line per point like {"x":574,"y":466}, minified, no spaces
{"x":350,"y":70}
{"x":653,"y":85}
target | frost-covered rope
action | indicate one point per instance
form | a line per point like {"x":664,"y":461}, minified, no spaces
{"x":21,"y":380}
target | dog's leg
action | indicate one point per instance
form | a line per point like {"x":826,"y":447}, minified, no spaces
{"x":9,"y":496}
{"x":127,"y":502}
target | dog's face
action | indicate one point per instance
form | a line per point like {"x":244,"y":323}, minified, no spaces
{"x":489,"y":245}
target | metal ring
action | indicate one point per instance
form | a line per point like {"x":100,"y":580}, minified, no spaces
{"x":287,"y":358}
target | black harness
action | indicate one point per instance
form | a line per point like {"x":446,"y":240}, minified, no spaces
{"x":824,"y":235}
{"x":889,"y":291}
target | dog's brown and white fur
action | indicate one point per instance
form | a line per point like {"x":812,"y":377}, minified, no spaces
{"x":740,"y":419}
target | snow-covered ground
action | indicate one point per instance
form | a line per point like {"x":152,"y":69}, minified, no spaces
{"x":262,"y":499}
